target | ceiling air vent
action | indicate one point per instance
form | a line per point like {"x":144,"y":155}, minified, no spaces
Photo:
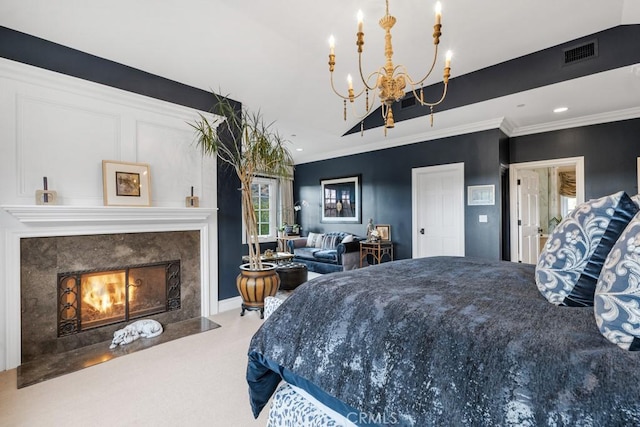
{"x":408,"y":102}
{"x":581,"y":52}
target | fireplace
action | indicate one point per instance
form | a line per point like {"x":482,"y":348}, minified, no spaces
{"x":77,"y":290}
{"x":91,"y":299}
{"x":28,"y":325}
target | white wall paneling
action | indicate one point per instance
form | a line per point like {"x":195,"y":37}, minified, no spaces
{"x":171,"y":150}
{"x":66,"y":144}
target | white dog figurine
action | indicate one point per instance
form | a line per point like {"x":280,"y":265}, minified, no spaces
{"x":146,"y":328}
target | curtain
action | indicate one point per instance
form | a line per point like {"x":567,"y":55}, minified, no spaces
{"x":567,"y":184}
{"x":286,"y":201}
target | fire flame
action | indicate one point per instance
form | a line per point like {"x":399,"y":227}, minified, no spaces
{"x":105,"y":292}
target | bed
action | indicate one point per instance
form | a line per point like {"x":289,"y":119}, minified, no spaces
{"x":443,"y":341}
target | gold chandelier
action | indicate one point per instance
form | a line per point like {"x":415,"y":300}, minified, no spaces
{"x":391,"y":80}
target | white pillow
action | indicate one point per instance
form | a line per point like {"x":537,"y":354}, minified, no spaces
{"x":348,"y":238}
{"x":312,"y":238}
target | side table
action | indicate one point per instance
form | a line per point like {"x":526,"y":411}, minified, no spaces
{"x":376,"y":249}
{"x":282,"y":242}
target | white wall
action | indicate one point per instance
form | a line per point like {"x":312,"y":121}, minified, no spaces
{"x":61,"y":127}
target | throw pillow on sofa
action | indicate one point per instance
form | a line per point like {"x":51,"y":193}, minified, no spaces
{"x":617,"y":296}
{"x":330,"y":241}
{"x":348,"y":238}
{"x":314,"y":240}
{"x":569,"y":266}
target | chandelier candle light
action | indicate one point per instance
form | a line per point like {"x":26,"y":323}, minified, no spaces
{"x":391,"y":80}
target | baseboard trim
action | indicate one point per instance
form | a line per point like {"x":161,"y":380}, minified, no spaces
{"x":229,"y":304}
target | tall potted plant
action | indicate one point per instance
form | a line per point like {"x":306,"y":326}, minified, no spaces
{"x":244,"y":141}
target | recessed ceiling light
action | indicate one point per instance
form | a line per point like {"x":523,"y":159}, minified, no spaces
{"x":560,"y":110}
{"x":298,"y":149}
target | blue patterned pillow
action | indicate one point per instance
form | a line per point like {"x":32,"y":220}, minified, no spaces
{"x":330,"y":241}
{"x":569,"y":267}
{"x":617,"y":296}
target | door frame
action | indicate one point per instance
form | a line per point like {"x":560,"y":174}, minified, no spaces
{"x":451,"y":167}
{"x":577,"y":162}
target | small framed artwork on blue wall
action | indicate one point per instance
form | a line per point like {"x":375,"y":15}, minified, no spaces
{"x":481,"y":195}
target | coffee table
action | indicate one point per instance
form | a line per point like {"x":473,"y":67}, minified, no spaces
{"x":278,"y":257}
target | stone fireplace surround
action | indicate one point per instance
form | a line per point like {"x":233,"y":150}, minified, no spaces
{"x":42,"y":258}
{"x":54,"y":221}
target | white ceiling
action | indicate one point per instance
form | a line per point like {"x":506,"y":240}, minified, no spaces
{"x":272,"y":55}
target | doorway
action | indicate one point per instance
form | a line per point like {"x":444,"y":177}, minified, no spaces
{"x":438,"y":211}
{"x":538,"y":204}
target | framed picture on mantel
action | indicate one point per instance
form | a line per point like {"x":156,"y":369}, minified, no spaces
{"x":126,"y":184}
{"x":341,"y":201}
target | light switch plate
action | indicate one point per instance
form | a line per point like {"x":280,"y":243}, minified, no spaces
{"x":483,"y":218}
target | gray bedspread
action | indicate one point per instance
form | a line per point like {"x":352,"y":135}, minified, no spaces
{"x":447,"y":341}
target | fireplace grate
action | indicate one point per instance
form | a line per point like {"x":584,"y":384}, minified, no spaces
{"x":94,"y":298}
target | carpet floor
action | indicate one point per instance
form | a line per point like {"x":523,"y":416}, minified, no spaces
{"x":50,"y":366}
{"x":198,"y":380}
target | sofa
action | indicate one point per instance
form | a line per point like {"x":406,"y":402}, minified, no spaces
{"x":327,"y":252}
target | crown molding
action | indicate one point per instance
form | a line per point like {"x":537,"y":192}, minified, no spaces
{"x":613,"y":116}
{"x":430,"y":135}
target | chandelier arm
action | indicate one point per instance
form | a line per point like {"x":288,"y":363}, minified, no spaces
{"x":429,"y":104}
{"x":376,"y":74}
{"x":359,"y":93}
{"x":367,"y":111}
{"x":342,"y":96}
{"x":433,"y":64}
{"x":362,"y":75}
{"x":335,"y":91}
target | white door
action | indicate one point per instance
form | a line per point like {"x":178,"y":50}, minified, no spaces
{"x":528,"y":216}
{"x":514,"y":170}
{"x":438,"y":210}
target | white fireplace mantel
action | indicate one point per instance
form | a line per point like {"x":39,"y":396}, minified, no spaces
{"x":54,"y":215}
{"x":67,"y":220}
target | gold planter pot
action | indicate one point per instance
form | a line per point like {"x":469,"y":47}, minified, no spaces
{"x":255,"y":285}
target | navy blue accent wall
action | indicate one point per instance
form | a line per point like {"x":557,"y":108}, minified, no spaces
{"x":27,"y":49}
{"x":386,"y":188}
{"x":230,"y":248}
{"x":41,"y":53}
{"x":504,"y":197}
{"x":610,"y":153}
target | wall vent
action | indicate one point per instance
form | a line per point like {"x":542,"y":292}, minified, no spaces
{"x":408,"y":102}
{"x":581,"y":52}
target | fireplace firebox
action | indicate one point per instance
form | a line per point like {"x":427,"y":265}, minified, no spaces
{"x":94,"y":298}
